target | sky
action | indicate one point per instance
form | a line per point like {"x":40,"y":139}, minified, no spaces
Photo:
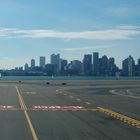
{"x":32,"y":28}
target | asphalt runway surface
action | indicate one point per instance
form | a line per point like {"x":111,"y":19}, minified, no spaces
{"x":79,"y":110}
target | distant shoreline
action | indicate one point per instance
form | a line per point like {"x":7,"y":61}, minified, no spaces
{"x":66,"y":78}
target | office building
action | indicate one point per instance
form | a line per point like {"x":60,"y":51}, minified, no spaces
{"x":95,"y":63}
{"x":64,"y":64}
{"x":55,"y":60}
{"x":128,"y":66}
{"x":42,"y":61}
{"x":32,"y":63}
{"x":76,"y":65}
{"x":26,"y":67}
{"x":87,"y":64}
{"x":103,"y":66}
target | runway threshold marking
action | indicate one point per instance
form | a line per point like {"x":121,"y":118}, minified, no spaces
{"x":62,"y":108}
{"x":7,"y":107}
{"x":130,"y":96}
{"x":42,"y":107}
{"x":24,"y":108}
{"x":126,"y":119}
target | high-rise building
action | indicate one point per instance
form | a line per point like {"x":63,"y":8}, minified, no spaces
{"x":55,"y":60}
{"x":64,"y":64}
{"x":139,"y":61}
{"x":26,"y":67}
{"x":87,"y":64}
{"x":103,"y":65}
{"x":112,"y":68}
{"x":111,"y":61}
{"x":32,"y":63}
{"x":128,"y":66}
{"x":42,"y":61}
{"x":50,"y":69}
{"x":76,"y":65}
{"x":139,"y":67}
{"x":95,"y":63}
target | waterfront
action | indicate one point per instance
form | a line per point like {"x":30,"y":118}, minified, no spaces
{"x":65,"y":78}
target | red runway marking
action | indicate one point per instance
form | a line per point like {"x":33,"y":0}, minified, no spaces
{"x":7,"y":107}
{"x":57,"y":107}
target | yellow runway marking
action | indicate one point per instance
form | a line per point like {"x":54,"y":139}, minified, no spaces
{"x":128,"y":120}
{"x":24,"y":108}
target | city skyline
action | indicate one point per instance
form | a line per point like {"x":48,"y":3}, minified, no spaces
{"x":94,"y":56}
{"x":90,"y":65}
{"x":29,"y":29}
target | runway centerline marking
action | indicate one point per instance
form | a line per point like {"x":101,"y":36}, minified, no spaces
{"x":24,"y":108}
{"x":71,"y":96}
{"x":30,"y":92}
{"x":78,"y":99}
{"x":88,"y":103}
{"x":116,"y":115}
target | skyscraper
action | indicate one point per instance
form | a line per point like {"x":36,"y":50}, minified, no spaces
{"x":32,"y":63}
{"x":139,"y":61}
{"x":139,"y":66}
{"x":112,"y":68}
{"x":95,"y":63}
{"x":128,"y":66}
{"x":26,"y":67}
{"x":55,"y":60}
{"x":64,"y":63}
{"x":76,"y":65}
{"x":103,"y":65}
{"x":42,"y":61}
{"x":87,"y":64}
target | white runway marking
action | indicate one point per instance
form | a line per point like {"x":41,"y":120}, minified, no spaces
{"x":71,"y":96}
{"x":7,"y":107}
{"x":30,"y":92}
{"x":88,"y":103}
{"x":57,"y":107}
{"x":117,"y":93}
{"x":78,"y":99}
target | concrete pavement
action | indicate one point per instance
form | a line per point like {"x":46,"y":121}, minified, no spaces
{"x":32,"y":110}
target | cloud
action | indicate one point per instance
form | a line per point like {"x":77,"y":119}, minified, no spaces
{"x":107,"y":34}
{"x":128,"y":27}
{"x":84,"y":48}
{"x":119,"y":11}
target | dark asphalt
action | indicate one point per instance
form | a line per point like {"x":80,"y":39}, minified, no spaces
{"x":69,"y":124}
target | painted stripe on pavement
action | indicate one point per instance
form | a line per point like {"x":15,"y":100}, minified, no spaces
{"x":126,"y":119}
{"x":24,"y":108}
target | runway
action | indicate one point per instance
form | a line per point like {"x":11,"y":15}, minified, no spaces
{"x":76,"y":110}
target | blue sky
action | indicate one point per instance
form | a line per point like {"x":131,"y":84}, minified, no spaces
{"x":31,"y":28}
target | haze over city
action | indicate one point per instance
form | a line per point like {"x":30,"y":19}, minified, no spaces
{"x":29,"y":29}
